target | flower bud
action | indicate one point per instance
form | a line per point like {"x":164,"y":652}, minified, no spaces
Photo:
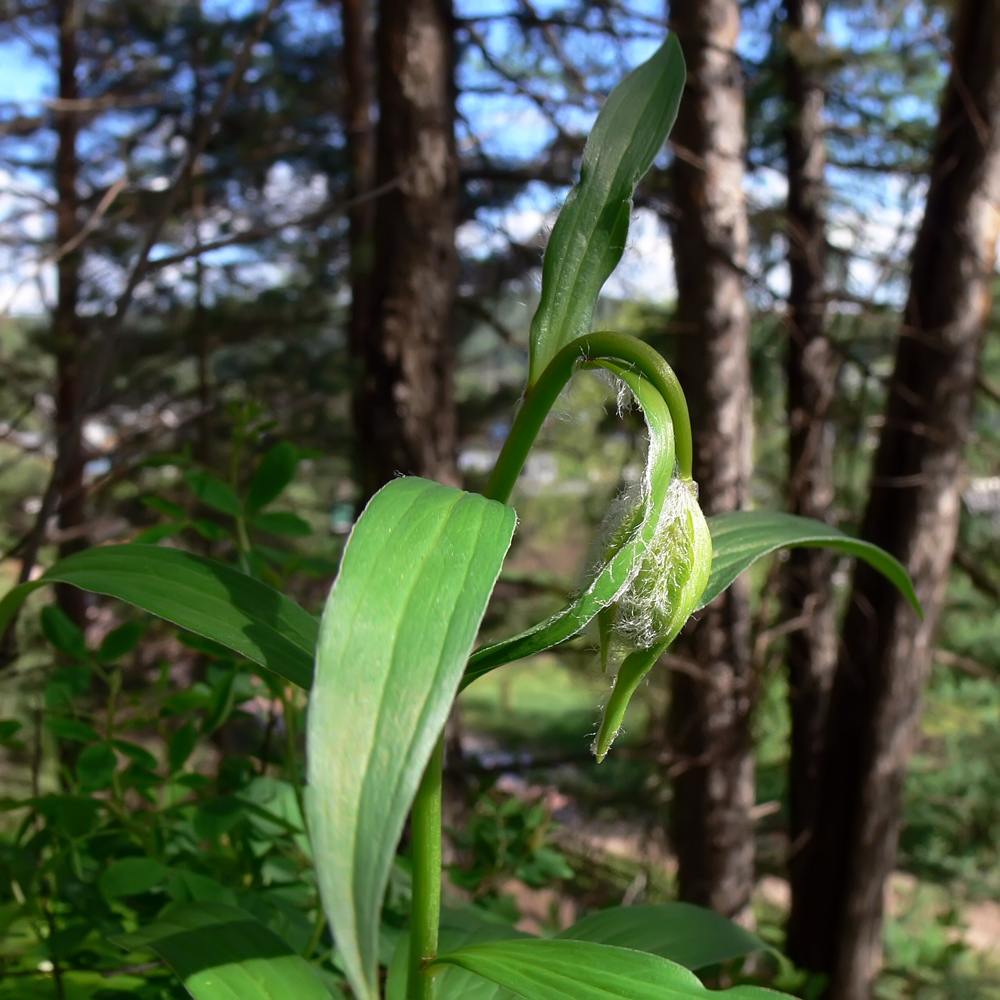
{"x":664,"y":592}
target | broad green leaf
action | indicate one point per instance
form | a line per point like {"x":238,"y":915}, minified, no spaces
{"x":275,"y":472}
{"x":121,"y":641}
{"x":617,"y":572}
{"x":589,"y":236}
{"x":582,"y":970}
{"x":187,"y":887}
{"x":741,"y":538}
{"x":222,"y":953}
{"x":401,"y":618}
{"x":201,"y":595}
{"x":182,"y":745}
{"x":458,"y":929}
{"x":688,"y":935}
{"x":71,"y":729}
{"x":72,"y":816}
{"x":63,"y":633}
{"x":213,"y":492}
{"x":131,"y":876}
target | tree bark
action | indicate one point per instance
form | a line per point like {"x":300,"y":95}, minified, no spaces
{"x":811,"y":369}
{"x":67,"y":331}
{"x":913,"y":512}
{"x":405,"y":403}
{"x":358,"y":25}
{"x":710,"y":714}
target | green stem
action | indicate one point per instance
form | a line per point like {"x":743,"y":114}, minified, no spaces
{"x":425,"y":915}
{"x":538,"y":400}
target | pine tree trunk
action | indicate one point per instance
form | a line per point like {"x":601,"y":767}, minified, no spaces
{"x":710,"y":714}
{"x":66,"y":327}
{"x":358,"y":26}
{"x":405,"y":404}
{"x":913,"y":512}
{"x":811,"y":372}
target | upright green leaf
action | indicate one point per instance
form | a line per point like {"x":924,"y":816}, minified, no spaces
{"x":214,"y":493}
{"x":589,"y":236}
{"x":222,"y":953}
{"x":741,"y":538}
{"x":275,"y":472}
{"x":581,"y":970}
{"x":416,"y":575}
{"x":688,"y":935}
{"x":63,"y":633}
{"x":201,"y":595}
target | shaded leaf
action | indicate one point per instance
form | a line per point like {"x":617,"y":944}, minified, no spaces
{"x":688,"y":935}
{"x":137,"y":753}
{"x":131,"y":876}
{"x":214,"y":493}
{"x":121,"y":641}
{"x":275,"y":472}
{"x":182,"y":743}
{"x":416,"y":575}
{"x":222,"y":953}
{"x":158,"y":532}
{"x":281,"y":522}
{"x":71,"y":729}
{"x":201,"y":595}
{"x":63,"y":633}
{"x":95,"y":767}
{"x":165,"y":507}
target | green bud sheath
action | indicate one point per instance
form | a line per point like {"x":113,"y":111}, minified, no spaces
{"x":661,"y":598}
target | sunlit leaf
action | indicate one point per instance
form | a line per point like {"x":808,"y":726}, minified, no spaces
{"x":581,"y":970}
{"x":416,"y":575}
{"x":741,"y":538}
{"x":590,"y":234}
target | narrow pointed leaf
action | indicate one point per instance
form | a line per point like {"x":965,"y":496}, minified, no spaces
{"x":589,"y":236}
{"x":581,"y":970}
{"x":401,"y":618}
{"x":200,"y":595}
{"x":741,"y":538}
{"x":688,"y":935}
{"x":223,"y":953}
{"x":615,"y":575}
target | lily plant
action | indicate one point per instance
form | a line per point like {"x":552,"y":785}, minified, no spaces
{"x":395,"y":646}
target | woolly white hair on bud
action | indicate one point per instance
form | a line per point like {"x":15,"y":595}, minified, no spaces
{"x":647,"y":607}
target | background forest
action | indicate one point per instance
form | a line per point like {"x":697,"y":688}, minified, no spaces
{"x":257,"y":258}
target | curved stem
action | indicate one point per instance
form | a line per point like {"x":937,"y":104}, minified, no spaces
{"x":425,"y":914}
{"x":538,"y":400}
